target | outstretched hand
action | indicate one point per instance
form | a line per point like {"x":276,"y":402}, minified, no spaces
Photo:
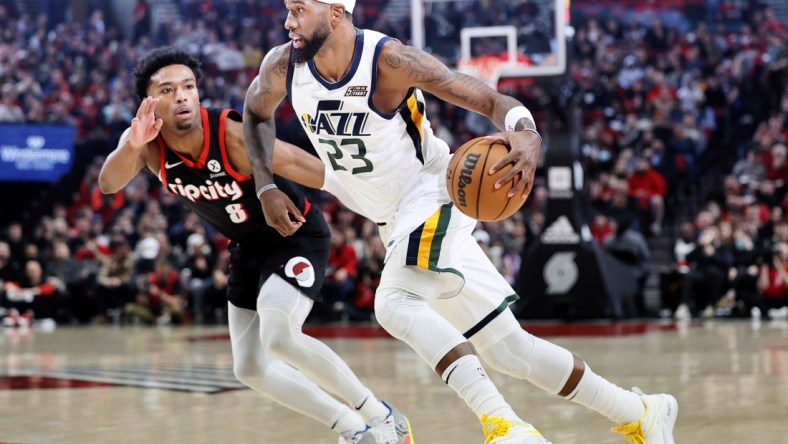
{"x":145,"y":126}
{"x":278,"y":208}
{"x":524,"y":148}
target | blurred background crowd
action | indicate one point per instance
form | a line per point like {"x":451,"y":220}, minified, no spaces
{"x":684,"y":122}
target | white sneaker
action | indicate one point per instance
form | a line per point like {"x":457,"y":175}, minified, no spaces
{"x":365,"y":437}
{"x":683,"y":313}
{"x":708,"y":312}
{"x":778,"y":313}
{"x":393,"y":429}
{"x":755,"y":313}
{"x":498,"y":430}
{"x":656,"y":426}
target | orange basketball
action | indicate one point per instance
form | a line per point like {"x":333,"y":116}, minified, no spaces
{"x":472,"y":188}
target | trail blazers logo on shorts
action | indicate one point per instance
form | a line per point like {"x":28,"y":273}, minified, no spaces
{"x":300,"y":269}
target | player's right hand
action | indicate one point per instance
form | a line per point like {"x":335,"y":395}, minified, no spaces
{"x":145,"y":126}
{"x":277,"y":208}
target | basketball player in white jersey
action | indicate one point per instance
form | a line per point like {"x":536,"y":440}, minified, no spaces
{"x":198,"y":154}
{"x":358,"y":95}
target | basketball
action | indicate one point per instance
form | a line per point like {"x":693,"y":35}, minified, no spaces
{"x":472,"y":188}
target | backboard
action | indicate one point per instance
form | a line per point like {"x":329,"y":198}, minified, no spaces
{"x":522,"y":38}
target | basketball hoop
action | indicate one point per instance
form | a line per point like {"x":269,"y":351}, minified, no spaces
{"x":486,"y":68}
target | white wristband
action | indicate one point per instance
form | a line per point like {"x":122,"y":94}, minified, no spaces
{"x":514,"y":115}
{"x":265,"y":188}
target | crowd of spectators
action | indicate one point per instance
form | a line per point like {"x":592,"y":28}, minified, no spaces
{"x":732,"y":259}
{"x":665,"y":110}
{"x":656,"y":99}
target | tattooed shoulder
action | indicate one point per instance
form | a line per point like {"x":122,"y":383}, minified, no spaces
{"x":419,"y":66}
{"x":276,"y":61}
{"x":428,"y":73}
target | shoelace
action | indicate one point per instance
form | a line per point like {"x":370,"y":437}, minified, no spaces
{"x":494,"y":427}
{"x":347,"y":438}
{"x":385,"y":431}
{"x":632,"y":432}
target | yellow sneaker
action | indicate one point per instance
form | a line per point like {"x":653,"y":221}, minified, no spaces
{"x":498,"y":430}
{"x":656,"y":425}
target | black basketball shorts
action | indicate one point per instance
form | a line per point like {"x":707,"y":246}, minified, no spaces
{"x":300,"y":260}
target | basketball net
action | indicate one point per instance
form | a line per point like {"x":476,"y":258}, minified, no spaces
{"x":486,"y":68}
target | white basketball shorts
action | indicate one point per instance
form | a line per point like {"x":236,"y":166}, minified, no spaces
{"x":441,"y":262}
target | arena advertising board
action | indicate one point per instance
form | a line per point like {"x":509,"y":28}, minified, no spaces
{"x":35,"y":153}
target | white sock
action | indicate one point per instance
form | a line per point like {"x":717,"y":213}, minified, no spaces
{"x":619,"y":405}
{"x":349,"y":421}
{"x":371,"y":408}
{"x":467,"y":377}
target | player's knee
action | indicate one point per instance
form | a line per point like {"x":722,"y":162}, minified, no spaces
{"x":276,"y":334}
{"x":284,"y":344}
{"x":393,"y":312}
{"x":248,"y":371}
{"x":511,"y":355}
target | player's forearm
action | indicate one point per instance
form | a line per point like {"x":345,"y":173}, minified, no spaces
{"x":120,"y":167}
{"x":298,"y":165}
{"x":259,"y":138}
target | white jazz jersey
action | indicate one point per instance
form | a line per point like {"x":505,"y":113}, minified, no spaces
{"x":389,"y":168}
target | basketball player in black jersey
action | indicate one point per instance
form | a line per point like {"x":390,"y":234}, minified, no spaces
{"x":199,"y":155}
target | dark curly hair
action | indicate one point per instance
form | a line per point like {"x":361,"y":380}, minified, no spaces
{"x":158,"y":59}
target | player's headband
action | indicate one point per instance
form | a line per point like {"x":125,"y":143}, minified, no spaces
{"x":348,"y":4}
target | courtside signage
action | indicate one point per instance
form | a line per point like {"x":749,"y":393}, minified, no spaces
{"x":35,"y":153}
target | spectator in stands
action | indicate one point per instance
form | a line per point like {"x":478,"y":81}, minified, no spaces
{"x":672,"y":277}
{"x":9,"y":271}
{"x":10,"y":111}
{"x":160,"y":297}
{"x":745,"y":273}
{"x":647,"y":187}
{"x":749,"y":171}
{"x":34,"y":295}
{"x":115,"y":281}
{"x":339,"y":287}
{"x":69,"y":276}
{"x":629,"y":246}
{"x":142,"y":20}
{"x":777,"y":169}
{"x":199,"y":272}
{"x":773,"y":282}
{"x":709,"y":266}
{"x":147,"y":249}
{"x":15,"y":238}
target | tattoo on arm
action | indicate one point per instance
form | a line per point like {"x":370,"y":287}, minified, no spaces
{"x":280,"y":67}
{"x":426,"y":72}
{"x":262,"y":99}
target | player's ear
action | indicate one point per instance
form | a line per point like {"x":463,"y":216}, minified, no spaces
{"x":337,"y":12}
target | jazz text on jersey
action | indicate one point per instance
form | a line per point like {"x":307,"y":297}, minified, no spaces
{"x":329,"y":119}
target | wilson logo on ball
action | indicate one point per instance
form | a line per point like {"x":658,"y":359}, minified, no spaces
{"x":470,"y":185}
{"x":466,"y":177}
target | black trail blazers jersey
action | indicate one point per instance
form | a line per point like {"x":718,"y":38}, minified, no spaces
{"x":223,"y":197}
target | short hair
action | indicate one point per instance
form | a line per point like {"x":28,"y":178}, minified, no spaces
{"x":158,"y":59}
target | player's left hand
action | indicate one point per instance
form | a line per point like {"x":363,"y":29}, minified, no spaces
{"x":278,"y":209}
{"x":524,"y":148}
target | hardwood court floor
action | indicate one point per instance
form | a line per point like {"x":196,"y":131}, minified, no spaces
{"x":175,"y":385}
